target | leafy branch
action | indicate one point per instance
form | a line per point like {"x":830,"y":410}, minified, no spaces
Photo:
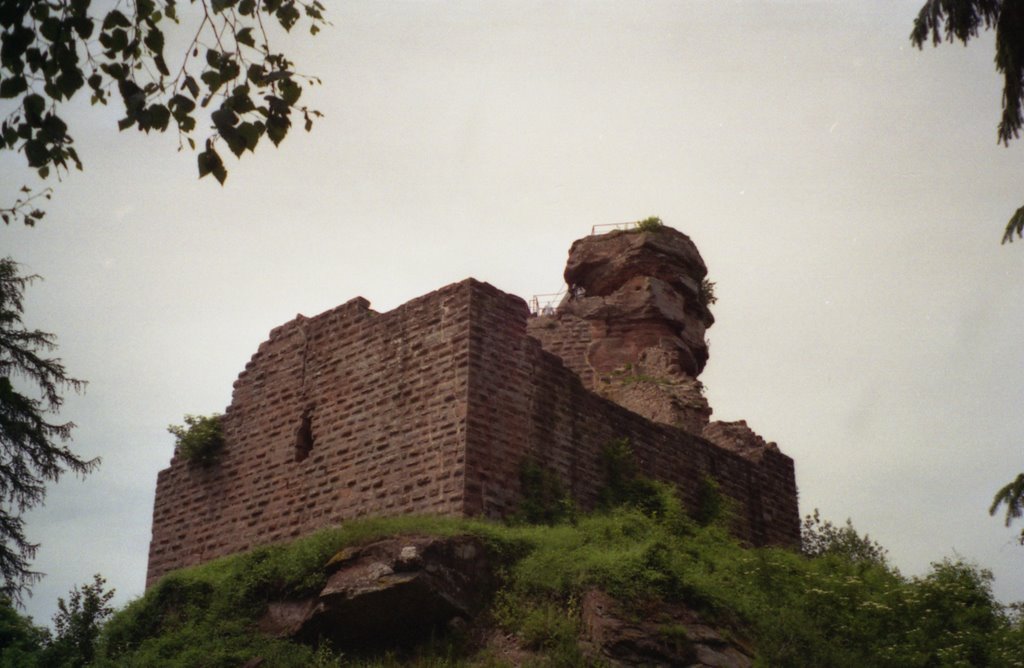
{"x":229,"y":75}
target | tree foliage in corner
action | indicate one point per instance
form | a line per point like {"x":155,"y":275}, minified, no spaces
{"x":31,"y":446}
{"x":229,"y":74}
{"x":953,"y":20}
{"x":962,"y":20}
{"x":1012,"y":495}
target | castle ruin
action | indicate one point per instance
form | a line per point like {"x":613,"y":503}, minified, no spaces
{"x":433,"y":408}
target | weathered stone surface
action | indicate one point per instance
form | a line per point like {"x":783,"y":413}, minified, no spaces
{"x":739,"y":438}
{"x":639,"y":290}
{"x":640,"y":295}
{"x":660,"y":635}
{"x":677,"y":402}
{"x":601,"y":264}
{"x":432,"y":407}
{"x":391,"y":592}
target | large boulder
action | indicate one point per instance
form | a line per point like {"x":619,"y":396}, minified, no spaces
{"x":601,"y":264}
{"x":393,"y":592}
{"x":633,"y":323}
{"x":639,"y":290}
{"x":661,"y":634}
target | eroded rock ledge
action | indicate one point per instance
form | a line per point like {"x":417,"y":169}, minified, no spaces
{"x":633,"y":325}
{"x":399,"y":591}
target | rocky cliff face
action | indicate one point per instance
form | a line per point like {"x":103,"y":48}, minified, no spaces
{"x":403,"y":590}
{"x":633,"y":328}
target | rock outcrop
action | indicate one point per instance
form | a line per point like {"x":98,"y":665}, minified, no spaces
{"x":390,"y":593}
{"x":633,"y":325}
{"x":395,"y":592}
{"x":659,"y":635}
{"x":640,"y":290}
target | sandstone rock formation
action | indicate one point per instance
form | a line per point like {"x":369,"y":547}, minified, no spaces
{"x":391,"y":592}
{"x":633,"y":324}
{"x":395,"y":592}
{"x":659,"y":635}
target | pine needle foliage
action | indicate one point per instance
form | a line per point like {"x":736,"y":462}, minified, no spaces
{"x":32,"y":450}
{"x":963,"y":20}
{"x":1012,"y":496}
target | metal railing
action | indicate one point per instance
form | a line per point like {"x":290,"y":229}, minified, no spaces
{"x":545,"y":304}
{"x":613,"y":226}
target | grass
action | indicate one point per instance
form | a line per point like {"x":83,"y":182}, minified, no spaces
{"x":797,"y":611}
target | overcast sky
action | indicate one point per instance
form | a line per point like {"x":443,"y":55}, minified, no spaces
{"x":845,"y":190}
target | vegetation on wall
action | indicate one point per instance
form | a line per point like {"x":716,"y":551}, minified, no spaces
{"x":649,"y":224}
{"x":200,"y":439}
{"x":707,"y":293}
{"x":543,"y":497}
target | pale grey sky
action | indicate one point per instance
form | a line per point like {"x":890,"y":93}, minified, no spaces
{"x":845,"y":190}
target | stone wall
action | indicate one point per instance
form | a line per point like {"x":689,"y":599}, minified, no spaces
{"x":524,"y":402}
{"x":429,"y":408}
{"x":377,"y":403}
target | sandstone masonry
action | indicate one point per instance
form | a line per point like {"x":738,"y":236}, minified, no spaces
{"x":434,"y":406}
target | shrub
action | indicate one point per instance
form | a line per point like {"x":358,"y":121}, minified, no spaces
{"x":819,"y":538}
{"x":543,"y":498}
{"x":650,"y":224}
{"x":200,"y":439}
{"x":707,"y":292}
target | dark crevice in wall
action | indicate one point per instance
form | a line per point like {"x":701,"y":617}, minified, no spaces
{"x":304,"y":436}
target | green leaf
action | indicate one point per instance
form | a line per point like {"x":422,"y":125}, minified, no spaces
{"x":192,"y":87}
{"x":244,"y":36}
{"x":290,"y":92}
{"x":69,"y":82}
{"x":51,"y":28}
{"x":251,"y":132}
{"x":277,"y":128}
{"x":181,"y":105}
{"x":161,"y":65}
{"x":287,"y":15}
{"x":224,"y":119}
{"x":116,"y":19}
{"x":13,"y":86}
{"x":83,"y":26}
{"x":159,"y":116}
{"x":154,"y":41}
{"x":34,"y":106}
{"x":210,"y":163}
{"x":54,"y":128}
{"x":212,"y":80}
{"x":37,"y":153}
{"x":246,"y":7}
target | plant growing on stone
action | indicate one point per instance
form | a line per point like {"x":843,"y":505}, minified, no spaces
{"x":649,"y":224}
{"x":544,"y":499}
{"x":200,"y":439}
{"x":707,"y":292}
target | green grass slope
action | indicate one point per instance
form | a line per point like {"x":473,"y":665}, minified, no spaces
{"x":837,"y":609}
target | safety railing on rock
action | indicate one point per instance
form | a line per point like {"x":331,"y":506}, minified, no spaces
{"x":611,"y":227}
{"x":545,"y":304}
